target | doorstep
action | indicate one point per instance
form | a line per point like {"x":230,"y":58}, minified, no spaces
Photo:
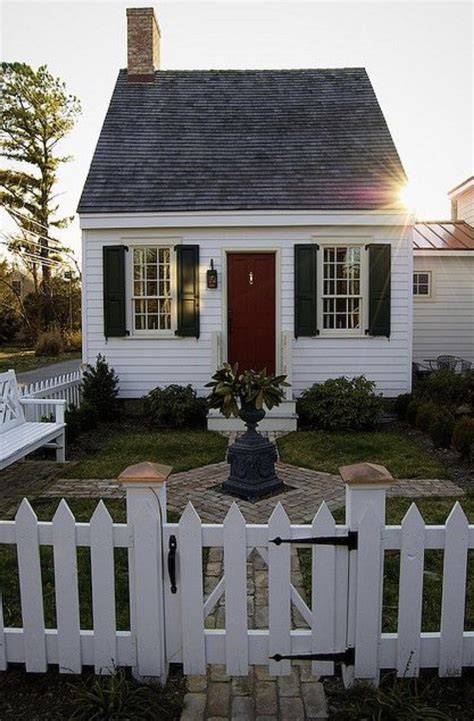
{"x":281,"y":418}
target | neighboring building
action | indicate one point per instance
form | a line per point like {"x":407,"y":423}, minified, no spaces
{"x":462,"y":201}
{"x":443,"y":282}
{"x":284,"y":182}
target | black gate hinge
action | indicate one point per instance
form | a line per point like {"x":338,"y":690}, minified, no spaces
{"x":347,"y":657}
{"x":350,"y":541}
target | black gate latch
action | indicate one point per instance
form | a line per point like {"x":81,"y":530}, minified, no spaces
{"x":350,"y":541}
{"x":347,"y":657}
{"x":172,"y":563}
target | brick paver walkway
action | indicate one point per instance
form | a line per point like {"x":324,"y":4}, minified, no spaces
{"x":307,"y":489}
{"x":257,"y":696}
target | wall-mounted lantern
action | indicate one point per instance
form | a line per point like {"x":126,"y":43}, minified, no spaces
{"x":212,"y":276}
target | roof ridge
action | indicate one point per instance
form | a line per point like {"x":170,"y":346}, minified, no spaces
{"x":255,"y":70}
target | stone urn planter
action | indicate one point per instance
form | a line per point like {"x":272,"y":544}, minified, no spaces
{"x":252,"y":457}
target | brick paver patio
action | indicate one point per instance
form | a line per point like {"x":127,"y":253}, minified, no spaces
{"x":307,"y":489}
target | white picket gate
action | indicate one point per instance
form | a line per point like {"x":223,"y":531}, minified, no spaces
{"x":65,"y":386}
{"x":344,"y":616}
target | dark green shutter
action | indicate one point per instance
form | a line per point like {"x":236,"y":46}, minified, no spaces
{"x":187,"y":257}
{"x":306,"y":323}
{"x":379,"y":289}
{"x":114,"y":290}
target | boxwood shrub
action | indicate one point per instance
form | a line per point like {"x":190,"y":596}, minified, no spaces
{"x":342,"y":404}
{"x":174,"y":406}
{"x":425,"y":416}
{"x":441,"y":429}
{"x":463,"y":436}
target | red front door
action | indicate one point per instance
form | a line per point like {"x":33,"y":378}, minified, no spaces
{"x":251,"y":310}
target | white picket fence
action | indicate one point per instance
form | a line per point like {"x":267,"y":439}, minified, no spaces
{"x":344,"y":614}
{"x":66,"y":386}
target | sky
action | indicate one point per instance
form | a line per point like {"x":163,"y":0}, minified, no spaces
{"x":418,"y":56}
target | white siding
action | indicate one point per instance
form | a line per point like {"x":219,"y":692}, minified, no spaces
{"x":466,"y":206}
{"x":143,"y":364}
{"x":444,"y":324}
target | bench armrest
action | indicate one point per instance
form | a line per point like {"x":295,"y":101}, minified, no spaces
{"x":59,"y":403}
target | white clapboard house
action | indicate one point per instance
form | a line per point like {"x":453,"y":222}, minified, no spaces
{"x":245,"y":215}
{"x":443,"y":282}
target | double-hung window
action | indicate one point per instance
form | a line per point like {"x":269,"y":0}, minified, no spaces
{"x":152,"y":292}
{"x":342,"y":289}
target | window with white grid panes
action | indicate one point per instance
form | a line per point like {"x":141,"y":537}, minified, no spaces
{"x":151,"y":289}
{"x":422,"y":284}
{"x":342,"y":291}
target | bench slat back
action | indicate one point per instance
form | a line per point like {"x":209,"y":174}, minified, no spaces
{"x":11,"y":410}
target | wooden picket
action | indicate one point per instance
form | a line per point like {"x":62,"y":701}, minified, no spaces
{"x":323,"y":601}
{"x":454,"y":593}
{"x":66,"y":590}
{"x":410,"y":597}
{"x":190,"y":543}
{"x":346,"y":599}
{"x":235,"y":569}
{"x":103,"y":590}
{"x":29,"y":572}
{"x":279,"y":600}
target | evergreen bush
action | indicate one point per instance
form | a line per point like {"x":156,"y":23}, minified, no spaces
{"x":341,"y":404}
{"x":100,"y":387}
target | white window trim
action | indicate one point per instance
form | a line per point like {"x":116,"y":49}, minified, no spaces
{"x":429,"y":296}
{"x":150,"y":243}
{"x":349,"y":243}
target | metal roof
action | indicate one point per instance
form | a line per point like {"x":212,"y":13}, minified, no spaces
{"x":210,"y":140}
{"x":443,"y":235}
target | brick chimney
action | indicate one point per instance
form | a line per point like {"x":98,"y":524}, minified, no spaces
{"x":143,"y":40}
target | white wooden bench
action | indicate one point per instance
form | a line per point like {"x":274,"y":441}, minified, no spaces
{"x":18,"y":437}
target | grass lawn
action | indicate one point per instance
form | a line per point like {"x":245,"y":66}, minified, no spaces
{"x":326,"y":451}
{"x":434,"y":510}
{"x":23,"y":359}
{"x":183,"y":450}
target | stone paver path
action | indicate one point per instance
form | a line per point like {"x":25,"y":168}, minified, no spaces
{"x":258,"y":696}
{"x":307,"y":489}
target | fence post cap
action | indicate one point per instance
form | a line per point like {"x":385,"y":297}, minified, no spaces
{"x":145,"y":472}
{"x":366,"y":473}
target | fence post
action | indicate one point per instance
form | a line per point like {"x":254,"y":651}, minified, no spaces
{"x":366,"y":486}
{"x":145,"y":485}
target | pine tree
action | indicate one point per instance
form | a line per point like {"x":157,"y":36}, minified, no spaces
{"x":37,"y":113}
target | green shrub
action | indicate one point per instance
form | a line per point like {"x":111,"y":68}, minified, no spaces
{"x":468,"y":387}
{"x":443,"y":387}
{"x":79,"y":420}
{"x":463,"y":436}
{"x":441,"y":429}
{"x":100,"y":386}
{"x":412,"y":411}
{"x":49,"y":343}
{"x":174,"y":406}
{"x":401,"y":404}
{"x":341,"y":404}
{"x":425,"y":416}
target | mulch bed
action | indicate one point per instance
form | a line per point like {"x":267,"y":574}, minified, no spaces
{"x":460,"y":472}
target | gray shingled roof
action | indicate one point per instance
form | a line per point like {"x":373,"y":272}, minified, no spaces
{"x":204,"y":140}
